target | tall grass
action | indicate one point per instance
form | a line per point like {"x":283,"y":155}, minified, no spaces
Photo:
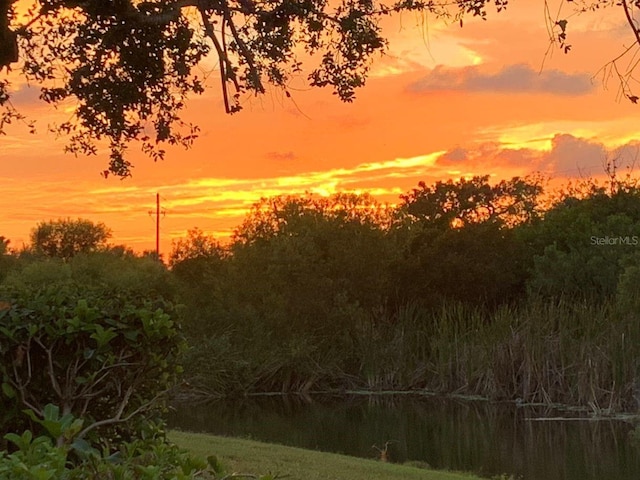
{"x":564,"y":352}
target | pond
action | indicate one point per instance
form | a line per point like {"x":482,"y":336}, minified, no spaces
{"x":482,"y":437}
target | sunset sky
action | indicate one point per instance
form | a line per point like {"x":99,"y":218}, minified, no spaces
{"x":444,"y":102}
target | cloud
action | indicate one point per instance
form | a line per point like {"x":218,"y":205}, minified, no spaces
{"x":483,"y":155}
{"x":281,"y":156}
{"x":518,"y":78}
{"x":391,"y":64}
{"x":454,"y":156}
{"x":567,"y":156}
{"x":26,"y":95}
{"x":627,"y":154}
{"x":571,"y":154}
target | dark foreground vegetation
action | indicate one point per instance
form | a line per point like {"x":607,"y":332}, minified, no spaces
{"x":499,"y":290}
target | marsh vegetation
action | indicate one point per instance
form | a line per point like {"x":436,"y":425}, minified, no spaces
{"x":503,"y":291}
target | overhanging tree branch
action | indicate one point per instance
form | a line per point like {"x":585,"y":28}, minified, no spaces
{"x":630,"y":20}
{"x":227,"y":71}
{"x":254,"y":74}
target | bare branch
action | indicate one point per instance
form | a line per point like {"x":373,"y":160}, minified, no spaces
{"x":226,"y":67}
{"x":631,"y":21}
{"x":248,"y":55}
{"x":19,"y":385}
{"x":50,"y":370}
{"x":118,"y":417}
{"x":16,"y":375}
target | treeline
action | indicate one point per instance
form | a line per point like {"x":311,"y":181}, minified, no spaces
{"x":465,"y":286}
{"x":494,"y":289}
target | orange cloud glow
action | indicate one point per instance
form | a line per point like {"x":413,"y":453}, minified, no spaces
{"x":445,"y":102}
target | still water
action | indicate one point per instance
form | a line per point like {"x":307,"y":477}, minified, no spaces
{"x":488,"y":439}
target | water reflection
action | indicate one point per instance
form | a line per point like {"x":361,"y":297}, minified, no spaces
{"x":484,"y":438}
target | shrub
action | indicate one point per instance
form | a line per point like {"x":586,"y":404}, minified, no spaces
{"x":38,"y":458}
{"x":100,"y":353}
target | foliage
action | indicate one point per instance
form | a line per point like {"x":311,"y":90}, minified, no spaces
{"x":154,"y":458}
{"x":284,"y":215}
{"x":7,"y":259}
{"x":143,"y":276}
{"x":458,"y":243}
{"x":196,"y":245}
{"x":628,"y":291}
{"x":581,"y":246}
{"x":300,"y":275}
{"x":4,"y":245}
{"x":341,"y":292}
{"x":101,"y":353}
{"x":199,"y":264}
{"x":312,"y":264}
{"x":88,"y":348}
{"x":479,"y":264}
{"x":65,"y":238}
{"x":458,"y":204}
{"x":137,"y":275}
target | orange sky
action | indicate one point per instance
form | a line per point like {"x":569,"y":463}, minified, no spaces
{"x":449,"y":103}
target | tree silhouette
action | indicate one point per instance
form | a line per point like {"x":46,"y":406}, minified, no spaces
{"x":66,"y":238}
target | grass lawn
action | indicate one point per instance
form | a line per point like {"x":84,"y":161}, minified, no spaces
{"x":248,"y":456}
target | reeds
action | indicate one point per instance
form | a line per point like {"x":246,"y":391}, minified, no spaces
{"x":564,"y":352}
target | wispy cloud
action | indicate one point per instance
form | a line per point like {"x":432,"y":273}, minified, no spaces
{"x":518,"y":78}
{"x":216,"y":204}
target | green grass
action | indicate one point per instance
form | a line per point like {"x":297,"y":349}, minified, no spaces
{"x":248,"y":456}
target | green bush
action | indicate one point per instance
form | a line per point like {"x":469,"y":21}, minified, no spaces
{"x":107,"y":270}
{"x":7,"y":259}
{"x":88,"y":348}
{"x":39,"y":459}
{"x":101,"y":353}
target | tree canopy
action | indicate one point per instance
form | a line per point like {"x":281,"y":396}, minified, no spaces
{"x":66,"y":238}
{"x":130,"y":64}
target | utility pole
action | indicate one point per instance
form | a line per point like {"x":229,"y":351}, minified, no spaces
{"x":158,"y":226}
{"x":158,"y":212}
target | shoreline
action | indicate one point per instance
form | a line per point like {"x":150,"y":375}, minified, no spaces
{"x":587,"y":412}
